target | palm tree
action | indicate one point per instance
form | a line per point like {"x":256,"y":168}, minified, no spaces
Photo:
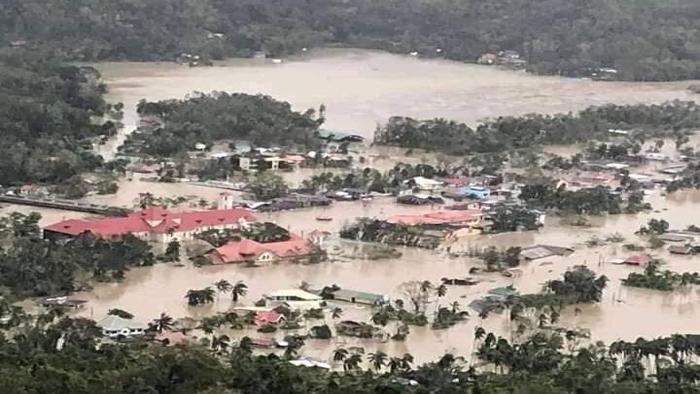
{"x":220,"y":343}
{"x":441,"y":290}
{"x":340,"y":354}
{"x":164,"y":322}
{"x":222,"y":286}
{"x":378,"y":360}
{"x":336,"y":313}
{"x":240,"y":289}
{"x":425,"y":286}
{"x":353,"y":362}
{"x":395,"y":363}
{"x":406,"y":361}
{"x":479,"y":333}
{"x":197,"y":297}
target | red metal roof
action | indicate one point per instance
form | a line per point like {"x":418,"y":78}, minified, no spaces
{"x":152,"y":220}
{"x":638,"y":260}
{"x":265,"y":317}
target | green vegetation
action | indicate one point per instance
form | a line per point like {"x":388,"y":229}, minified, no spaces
{"x":654,"y":227}
{"x":207,"y":118}
{"x":690,"y":178}
{"x":548,"y":362}
{"x":580,"y":285}
{"x":374,"y":230}
{"x":506,"y":218}
{"x":593,"y":201}
{"x":32,"y":266}
{"x":665,"y":280}
{"x":508,"y":133}
{"x":48,"y":113}
{"x":555,"y":37}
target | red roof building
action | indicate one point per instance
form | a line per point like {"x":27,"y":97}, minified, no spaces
{"x":268,"y":317}
{"x":639,"y":260}
{"x":249,"y":251}
{"x":153,"y":224}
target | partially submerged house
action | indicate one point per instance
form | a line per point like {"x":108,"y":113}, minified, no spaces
{"x":62,"y":301}
{"x":418,"y":199}
{"x":295,"y":249}
{"x":358,"y":297}
{"x":680,"y":249}
{"x":423,"y":183}
{"x":543,"y":251}
{"x":294,"y":299}
{"x":638,"y":260}
{"x":114,"y":326}
{"x":478,"y":192}
{"x":268,"y":317}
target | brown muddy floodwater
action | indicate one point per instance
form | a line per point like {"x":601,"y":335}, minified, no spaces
{"x":360,"y":89}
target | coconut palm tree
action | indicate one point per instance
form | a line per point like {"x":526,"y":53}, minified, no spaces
{"x":352,"y":363}
{"x":395,"y":363}
{"x":336,"y":313}
{"x":164,"y":322}
{"x":222,"y":286}
{"x":441,"y":290}
{"x":240,"y":289}
{"x":220,"y":343}
{"x":378,"y":360}
{"x":479,"y":333}
{"x":425,"y":286}
{"x":406,"y":361}
{"x":340,"y":354}
{"x":203,"y":296}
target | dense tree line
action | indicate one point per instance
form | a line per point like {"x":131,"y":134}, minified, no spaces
{"x":47,"y":111}
{"x":207,"y":118}
{"x":643,"y":40}
{"x":516,"y":132}
{"x":32,"y":266}
{"x":594,"y":200}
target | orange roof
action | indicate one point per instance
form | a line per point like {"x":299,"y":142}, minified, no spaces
{"x":439,"y":217}
{"x":245,"y":249}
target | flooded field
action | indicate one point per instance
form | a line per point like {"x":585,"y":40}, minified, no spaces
{"x":360,"y":89}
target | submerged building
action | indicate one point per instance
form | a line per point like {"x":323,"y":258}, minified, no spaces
{"x":153,"y":224}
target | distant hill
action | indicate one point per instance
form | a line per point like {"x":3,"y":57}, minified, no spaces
{"x":643,"y":40}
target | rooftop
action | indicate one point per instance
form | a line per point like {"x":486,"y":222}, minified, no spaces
{"x":116,"y":323}
{"x":298,"y":293}
{"x":245,"y":249}
{"x":358,"y":294}
{"x":151,"y":220}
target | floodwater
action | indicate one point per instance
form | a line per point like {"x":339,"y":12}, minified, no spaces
{"x":361,"y":88}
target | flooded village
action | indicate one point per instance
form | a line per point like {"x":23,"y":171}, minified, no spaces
{"x":318,"y":244}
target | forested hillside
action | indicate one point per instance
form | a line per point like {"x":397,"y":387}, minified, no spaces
{"x":643,"y":39}
{"x":47,"y":110}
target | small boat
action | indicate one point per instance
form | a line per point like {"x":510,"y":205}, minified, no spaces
{"x":324,"y":218}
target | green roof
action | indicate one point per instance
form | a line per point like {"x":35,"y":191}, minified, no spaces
{"x":358,"y":294}
{"x":503,"y":291}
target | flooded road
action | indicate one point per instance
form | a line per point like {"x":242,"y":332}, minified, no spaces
{"x":360,"y":89}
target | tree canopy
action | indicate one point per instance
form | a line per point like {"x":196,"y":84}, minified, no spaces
{"x":642,"y":39}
